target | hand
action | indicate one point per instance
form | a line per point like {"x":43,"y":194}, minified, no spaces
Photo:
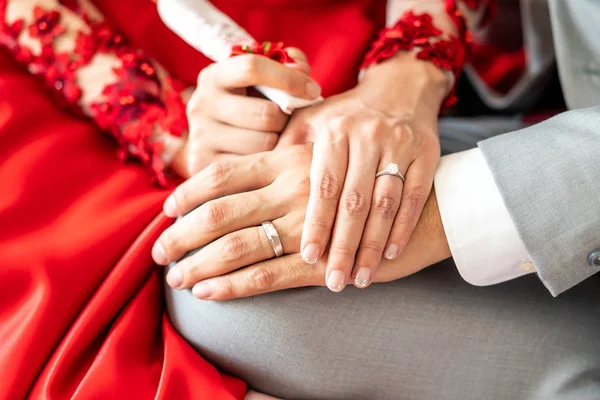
{"x":427,"y":246}
{"x":226,"y":122}
{"x":236,"y":196}
{"x":391,"y":117}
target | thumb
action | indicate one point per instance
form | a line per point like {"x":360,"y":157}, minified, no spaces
{"x":300,"y":60}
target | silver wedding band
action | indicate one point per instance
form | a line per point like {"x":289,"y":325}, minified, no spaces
{"x":391,"y":169}
{"x":273,"y":238}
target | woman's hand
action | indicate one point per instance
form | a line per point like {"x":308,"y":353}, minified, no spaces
{"x":391,"y":117}
{"x":225,"y":122}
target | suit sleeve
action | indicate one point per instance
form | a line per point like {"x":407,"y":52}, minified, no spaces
{"x":548,"y":176}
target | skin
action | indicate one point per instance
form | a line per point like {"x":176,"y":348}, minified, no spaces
{"x":268,"y":186}
{"x":227,"y":121}
{"x":391,"y":116}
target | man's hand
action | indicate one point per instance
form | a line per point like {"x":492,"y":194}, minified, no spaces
{"x":428,"y":245}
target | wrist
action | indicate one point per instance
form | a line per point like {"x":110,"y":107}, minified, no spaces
{"x":431,"y":234}
{"x":404,"y":84}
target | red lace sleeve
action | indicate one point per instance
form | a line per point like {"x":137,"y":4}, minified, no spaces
{"x":417,"y":32}
{"x":93,"y":70}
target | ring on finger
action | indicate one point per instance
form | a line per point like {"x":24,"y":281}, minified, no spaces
{"x":391,"y":169}
{"x":273,"y":237}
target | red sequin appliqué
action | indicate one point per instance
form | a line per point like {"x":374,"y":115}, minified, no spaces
{"x":417,"y":31}
{"x":132,"y":109}
{"x":273,"y":50}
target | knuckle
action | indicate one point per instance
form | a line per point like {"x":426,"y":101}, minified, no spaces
{"x":226,"y":289}
{"x":216,"y":175}
{"x":269,"y":141}
{"x":192,"y":272}
{"x":329,"y":185}
{"x":338,"y":124}
{"x":249,"y":66}
{"x":267,"y":114}
{"x":354,"y":204}
{"x":262,"y":278}
{"x":416,"y":195}
{"x":234,"y":248}
{"x":182,"y":197}
{"x":386,"y":206}
{"x":373,"y":129}
{"x":343,"y":250}
{"x":214,"y":215}
{"x":373,"y":246}
{"x":169,"y":241}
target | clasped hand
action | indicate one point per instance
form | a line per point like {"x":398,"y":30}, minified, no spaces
{"x":340,"y":217}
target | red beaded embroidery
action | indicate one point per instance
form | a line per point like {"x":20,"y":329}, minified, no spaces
{"x":417,"y":31}
{"x":274,"y":51}
{"x":131,"y":109}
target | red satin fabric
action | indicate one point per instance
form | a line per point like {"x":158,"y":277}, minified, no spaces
{"x":81,"y":303}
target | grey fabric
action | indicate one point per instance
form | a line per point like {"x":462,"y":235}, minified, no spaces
{"x":576,"y":28}
{"x":431,"y":336}
{"x":548,"y":176}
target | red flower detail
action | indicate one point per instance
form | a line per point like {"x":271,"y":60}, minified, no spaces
{"x":409,"y":31}
{"x":418,"y":31}
{"x":273,"y":50}
{"x":46,"y":25}
{"x":61,"y":76}
{"x":133,"y":109}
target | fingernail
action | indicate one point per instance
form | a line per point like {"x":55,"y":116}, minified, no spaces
{"x":310,"y":254}
{"x":313,"y":90}
{"x":336,"y":281}
{"x":174,"y":278}
{"x":159,"y":255}
{"x":363,"y":278}
{"x":202,"y":291}
{"x":170,"y":207}
{"x":392,"y":252}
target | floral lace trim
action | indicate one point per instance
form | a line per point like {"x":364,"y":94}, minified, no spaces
{"x":273,"y":50}
{"x":136,"y":108}
{"x":417,"y":31}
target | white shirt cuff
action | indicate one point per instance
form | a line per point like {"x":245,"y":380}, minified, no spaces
{"x":482,"y":237}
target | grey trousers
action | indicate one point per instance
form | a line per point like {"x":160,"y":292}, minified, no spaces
{"x":428,"y":336}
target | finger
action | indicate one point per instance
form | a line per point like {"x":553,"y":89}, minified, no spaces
{"x":384,"y":208}
{"x":252,"y":70}
{"x":230,"y":139}
{"x":245,"y":112}
{"x":327,"y":173}
{"x":300,"y":60}
{"x":298,"y":55}
{"x":352,"y":213}
{"x":419,"y":180}
{"x":233,"y":251}
{"x":276,"y":274}
{"x":239,"y":174}
{"x":214,"y":219}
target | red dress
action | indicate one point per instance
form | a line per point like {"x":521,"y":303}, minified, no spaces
{"x":81,"y":302}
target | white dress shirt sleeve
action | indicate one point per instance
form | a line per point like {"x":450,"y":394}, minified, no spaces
{"x":482,"y":237}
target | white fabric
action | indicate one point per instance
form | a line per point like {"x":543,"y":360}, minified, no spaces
{"x":213,"y":33}
{"x":483,"y":240}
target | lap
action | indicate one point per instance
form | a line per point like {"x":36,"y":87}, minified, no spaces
{"x":429,"y":336}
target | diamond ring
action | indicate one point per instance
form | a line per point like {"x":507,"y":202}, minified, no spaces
{"x":391,"y":169}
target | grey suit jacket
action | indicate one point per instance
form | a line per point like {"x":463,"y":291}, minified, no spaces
{"x":549,"y":174}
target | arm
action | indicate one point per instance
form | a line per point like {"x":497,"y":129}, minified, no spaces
{"x":547,"y":175}
{"x":92,"y":69}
